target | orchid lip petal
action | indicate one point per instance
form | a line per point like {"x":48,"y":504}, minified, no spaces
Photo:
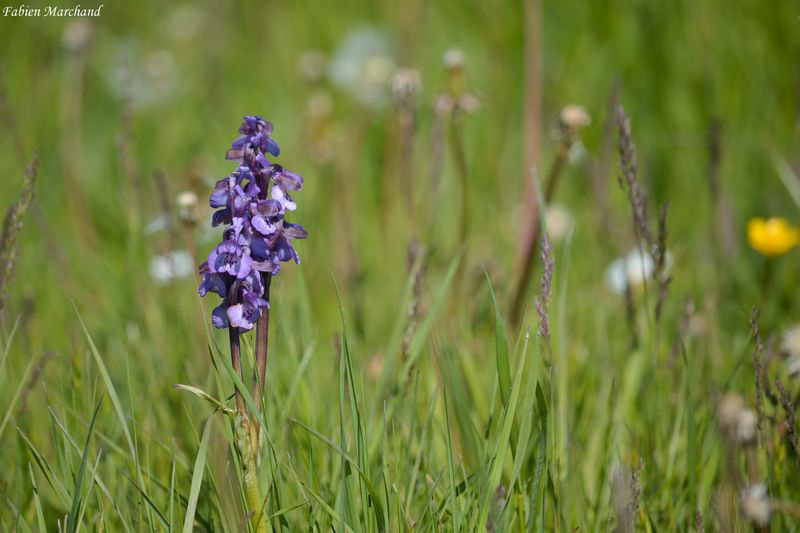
{"x":262,"y":226}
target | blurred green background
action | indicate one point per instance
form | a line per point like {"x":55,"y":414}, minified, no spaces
{"x":151,"y":89}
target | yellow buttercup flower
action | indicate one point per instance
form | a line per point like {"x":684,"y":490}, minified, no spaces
{"x":773,"y":236}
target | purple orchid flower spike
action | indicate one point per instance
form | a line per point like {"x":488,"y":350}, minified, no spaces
{"x":251,"y":203}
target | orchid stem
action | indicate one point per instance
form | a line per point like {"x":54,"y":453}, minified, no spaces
{"x":236,"y":361}
{"x":246,"y":445}
{"x":262,"y":346}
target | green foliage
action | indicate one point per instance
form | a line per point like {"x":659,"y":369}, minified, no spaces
{"x":401,"y":396}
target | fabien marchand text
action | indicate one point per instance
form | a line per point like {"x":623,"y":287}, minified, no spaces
{"x":52,"y":11}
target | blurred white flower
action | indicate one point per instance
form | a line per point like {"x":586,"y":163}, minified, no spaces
{"x":793,"y":366}
{"x":736,"y":420}
{"x":746,"y":426}
{"x":728,"y":409}
{"x":186,"y":203}
{"x":406,"y":84}
{"x":575,"y":117}
{"x":633,"y":269}
{"x":559,"y":222}
{"x":174,"y":265}
{"x":363,"y":65}
{"x":790,"y":342}
{"x":453,"y":58}
{"x":755,"y":505}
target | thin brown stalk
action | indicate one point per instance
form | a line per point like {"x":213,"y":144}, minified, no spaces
{"x":533,"y":100}
{"x":532,"y":132}
{"x":533,"y":229}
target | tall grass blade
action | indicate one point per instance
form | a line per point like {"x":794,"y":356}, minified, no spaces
{"x":37,"y":503}
{"x":502,"y":445}
{"x":197,"y":478}
{"x":536,"y":505}
{"x":501,"y":347}
{"x":72,"y":521}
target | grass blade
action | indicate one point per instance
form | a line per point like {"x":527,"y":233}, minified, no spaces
{"x":37,"y":502}
{"x":197,"y":478}
{"x":501,"y":347}
{"x":72,"y":521}
{"x":502,"y":446}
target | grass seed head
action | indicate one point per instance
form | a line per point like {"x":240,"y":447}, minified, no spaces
{"x":12,"y":226}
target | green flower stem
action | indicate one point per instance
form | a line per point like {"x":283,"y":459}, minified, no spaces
{"x":247,"y":454}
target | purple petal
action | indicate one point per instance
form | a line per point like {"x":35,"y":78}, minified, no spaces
{"x":262,"y":226}
{"x":245,"y":266}
{"x":288,"y":180}
{"x":236,"y":317}
{"x":267,"y":266}
{"x":259,"y":248}
{"x":285,"y":200}
{"x":213,"y":283}
{"x":219,"y":317}
{"x":223,"y":216}
{"x":272,"y":147}
{"x":268,"y":208}
{"x":219,"y":198}
{"x":294,"y":231}
{"x":284,"y":250}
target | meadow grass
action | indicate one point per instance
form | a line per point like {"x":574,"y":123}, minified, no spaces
{"x":401,"y":392}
